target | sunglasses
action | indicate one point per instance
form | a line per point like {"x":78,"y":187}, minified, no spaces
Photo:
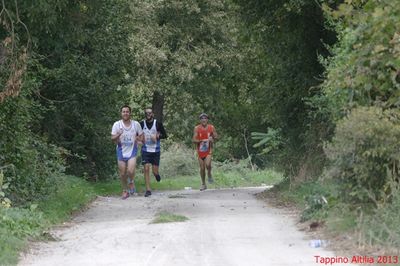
{"x":148,"y":113}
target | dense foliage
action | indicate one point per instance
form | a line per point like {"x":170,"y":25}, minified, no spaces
{"x":79,"y":60}
{"x":182,"y":51}
{"x":285,"y":72}
{"x":365,"y":154}
{"x":282,"y":41}
{"x":364,"y":71}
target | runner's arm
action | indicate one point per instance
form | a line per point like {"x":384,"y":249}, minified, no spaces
{"x":161,"y":133}
{"x":139,"y":133}
{"x":140,"y":139}
{"x":214,"y":135}
{"x":115,"y":138}
{"x":116,"y":133}
{"x":195,"y":138}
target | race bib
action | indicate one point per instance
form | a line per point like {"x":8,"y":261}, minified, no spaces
{"x":204,"y":146}
{"x":127,"y":139}
{"x":148,"y":139}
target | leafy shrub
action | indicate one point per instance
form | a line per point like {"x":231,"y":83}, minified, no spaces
{"x":178,"y":160}
{"x":37,"y":178}
{"x":4,"y":201}
{"x":364,"y":68}
{"x":242,"y":167}
{"x":315,"y":203}
{"x":21,"y":222}
{"x":270,"y":140}
{"x":382,"y":227}
{"x":223,"y":149}
{"x":365,"y":153}
{"x":29,"y":165}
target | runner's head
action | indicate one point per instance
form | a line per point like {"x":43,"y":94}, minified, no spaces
{"x":148,"y":112}
{"x":203,"y":119}
{"x":126,"y":112}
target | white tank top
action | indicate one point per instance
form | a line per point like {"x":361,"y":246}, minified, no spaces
{"x":149,"y":144}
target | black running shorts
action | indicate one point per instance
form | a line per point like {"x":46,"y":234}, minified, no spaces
{"x":151,"y":157}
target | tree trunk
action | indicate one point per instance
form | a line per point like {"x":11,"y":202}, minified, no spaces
{"x":158,"y":105}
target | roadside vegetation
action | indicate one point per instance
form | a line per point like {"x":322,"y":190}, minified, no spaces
{"x":33,"y":220}
{"x":166,"y":217}
{"x":357,"y":190}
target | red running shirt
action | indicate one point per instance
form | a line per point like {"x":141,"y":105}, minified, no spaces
{"x":204,"y":147}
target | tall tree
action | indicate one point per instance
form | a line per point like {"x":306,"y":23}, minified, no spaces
{"x":289,"y":36}
{"x":80,"y":62}
{"x":180,"y":47}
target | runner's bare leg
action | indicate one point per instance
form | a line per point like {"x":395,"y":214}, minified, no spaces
{"x":147,"y":176}
{"x":123,"y":175}
{"x":207,"y":162}
{"x":131,"y":166}
{"x":202,"y":171}
{"x":155,"y":169}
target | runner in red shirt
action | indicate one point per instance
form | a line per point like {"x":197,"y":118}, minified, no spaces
{"x":204,"y":136}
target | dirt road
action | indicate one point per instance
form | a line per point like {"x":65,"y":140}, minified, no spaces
{"x":225,"y":227}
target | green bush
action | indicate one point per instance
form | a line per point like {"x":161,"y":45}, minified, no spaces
{"x":241,"y":167}
{"x":365,"y":154}
{"x":223,"y":149}
{"x":21,"y":222}
{"x":382,"y":228}
{"x":365,"y":62}
{"x":28,"y":163}
{"x":178,"y":160}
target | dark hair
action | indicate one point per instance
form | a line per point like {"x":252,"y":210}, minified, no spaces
{"x":126,"y":106}
{"x":203,"y":115}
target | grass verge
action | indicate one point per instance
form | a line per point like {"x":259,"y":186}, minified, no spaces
{"x":166,"y":217}
{"x":222,"y":179}
{"x":19,"y":225}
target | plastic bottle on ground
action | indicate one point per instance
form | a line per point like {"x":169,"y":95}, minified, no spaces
{"x":317,"y":243}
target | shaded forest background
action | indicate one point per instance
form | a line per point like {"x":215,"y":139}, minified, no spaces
{"x":310,"y":88}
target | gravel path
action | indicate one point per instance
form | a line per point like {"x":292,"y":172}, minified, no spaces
{"x":225,"y":227}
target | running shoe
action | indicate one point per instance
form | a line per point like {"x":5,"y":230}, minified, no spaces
{"x":210,"y":180}
{"x":132,"y":189}
{"x":158,"y":178}
{"x":203,"y":187}
{"x":125,"y":195}
{"x":148,"y":193}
